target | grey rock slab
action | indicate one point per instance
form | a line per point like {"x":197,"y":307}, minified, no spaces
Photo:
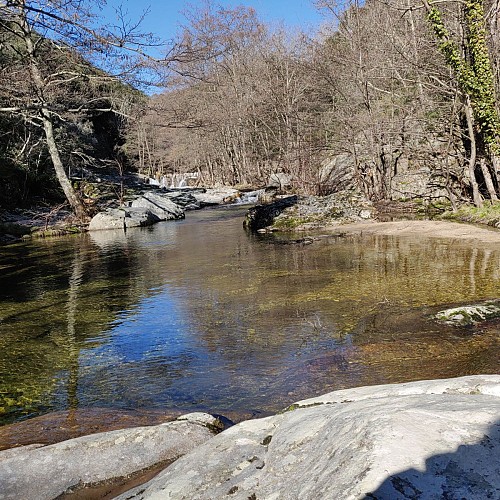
{"x":162,"y":207}
{"x":217,"y":196}
{"x":477,"y":384}
{"x":425,"y":440}
{"x":110,"y":219}
{"x":122,"y":218}
{"x":184,"y":199}
{"x":279,"y":180}
{"x":49,"y":471}
{"x":139,"y":217}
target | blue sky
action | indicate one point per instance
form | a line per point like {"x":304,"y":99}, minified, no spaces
{"x":165,"y":15}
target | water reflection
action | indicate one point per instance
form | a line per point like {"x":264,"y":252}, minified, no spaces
{"x":198,"y":314}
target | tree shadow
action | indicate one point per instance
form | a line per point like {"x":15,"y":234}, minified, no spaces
{"x":472,"y":472}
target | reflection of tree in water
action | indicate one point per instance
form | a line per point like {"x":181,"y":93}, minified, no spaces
{"x":366,"y":300}
{"x":270,"y":322}
{"x":56,"y":296}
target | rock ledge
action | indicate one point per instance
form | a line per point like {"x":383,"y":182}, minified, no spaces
{"x":431,"y":439}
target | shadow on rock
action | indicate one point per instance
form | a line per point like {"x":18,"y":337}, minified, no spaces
{"x":262,"y":216}
{"x":471,"y":472}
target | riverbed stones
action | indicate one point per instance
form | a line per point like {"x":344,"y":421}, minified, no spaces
{"x":39,"y":473}
{"x":431,"y":439}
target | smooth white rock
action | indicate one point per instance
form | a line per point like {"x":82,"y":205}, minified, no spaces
{"x":421,"y":440}
{"x":217,"y":196}
{"x":39,"y":473}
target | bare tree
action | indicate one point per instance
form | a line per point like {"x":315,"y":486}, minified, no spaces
{"x":53,"y":48}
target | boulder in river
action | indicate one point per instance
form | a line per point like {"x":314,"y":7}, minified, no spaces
{"x":217,"y":196}
{"x":429,"y":439}
{"x":122,"y":218}
{"x":308,"y":212}
{"x":262,"y":216}
{"x":46,"y":472}
{"x":161,"y":206}
{"x":184,"y":198}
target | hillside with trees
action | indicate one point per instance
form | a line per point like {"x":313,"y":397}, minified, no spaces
{"x":396,"y":98}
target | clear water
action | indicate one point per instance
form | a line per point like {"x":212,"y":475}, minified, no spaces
{"x":199,"y":315}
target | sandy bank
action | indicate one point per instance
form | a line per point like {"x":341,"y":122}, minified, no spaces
{"x":423,"y":228}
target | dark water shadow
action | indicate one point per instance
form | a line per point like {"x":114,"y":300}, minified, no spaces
{"x":472,"y":472}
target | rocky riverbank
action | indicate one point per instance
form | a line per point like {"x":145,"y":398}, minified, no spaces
{"x":429,"y":439}
{"x":302,"y":213}
{"x":141,"y":205}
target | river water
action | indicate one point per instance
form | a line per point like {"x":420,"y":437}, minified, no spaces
{"x":200,"y":315}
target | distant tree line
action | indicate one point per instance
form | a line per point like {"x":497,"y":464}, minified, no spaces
{"x":384,"y":87}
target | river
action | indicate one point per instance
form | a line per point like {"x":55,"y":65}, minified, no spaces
{"x":200,"y":315}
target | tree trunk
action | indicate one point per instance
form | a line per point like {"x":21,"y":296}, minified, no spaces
{"x":476,"y":195}
{"x":69,"y":192}
{"x":488,"y":180}
{"x":39,"y":84}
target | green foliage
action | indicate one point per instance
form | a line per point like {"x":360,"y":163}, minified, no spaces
{"x":475,"y":77}
{"x":488,"y":214}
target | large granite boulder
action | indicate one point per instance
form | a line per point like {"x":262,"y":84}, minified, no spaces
{"x":262,"y":216}
{"x":161,"y":206}
{"x":279,"y":180}
{"x":421,"y":440}
{"x":217,"y":196}
{"x":122,"y":218}
{"x":145,"y":210}
{"x":184,"y":198}
{"x":45,"y":472}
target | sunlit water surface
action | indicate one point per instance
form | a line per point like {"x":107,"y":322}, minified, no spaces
{"x":199,"y":315}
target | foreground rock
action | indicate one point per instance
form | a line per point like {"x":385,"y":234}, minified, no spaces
{"x":38,"y":473}
{"x":428,"y":440}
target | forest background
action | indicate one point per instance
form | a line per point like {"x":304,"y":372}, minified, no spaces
{"x":396,"y":98}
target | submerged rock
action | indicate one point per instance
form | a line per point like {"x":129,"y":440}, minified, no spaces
{"x":431,"y":439}
{"x":468,"y":315}
{"x":39,"y":473}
